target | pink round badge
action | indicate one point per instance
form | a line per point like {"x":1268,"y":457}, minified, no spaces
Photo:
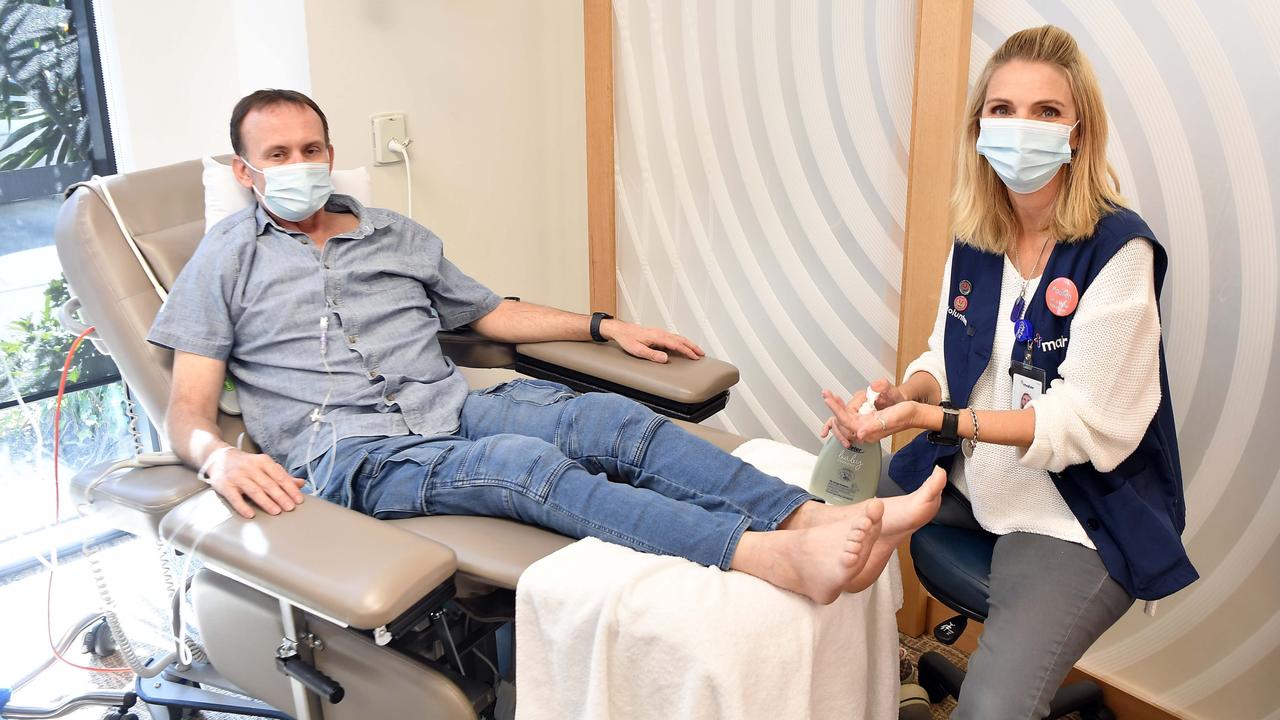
{"x":1062,"y":297}
{"x":961,"y":303}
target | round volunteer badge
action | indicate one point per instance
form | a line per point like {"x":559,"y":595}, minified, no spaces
{"x":966,"y":287}
{"x":1062,"y":297}
{"x":961,"y":303}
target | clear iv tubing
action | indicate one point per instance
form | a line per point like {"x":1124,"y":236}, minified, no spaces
{"x":318,"y":415}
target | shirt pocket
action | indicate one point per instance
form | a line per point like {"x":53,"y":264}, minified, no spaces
{"x":531,"y":392}
{"x":1143,"y":531}
{"x":335,"y":480}
{"x":396,"y":486}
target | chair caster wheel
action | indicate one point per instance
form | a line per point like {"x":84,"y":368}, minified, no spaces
{"x":98,"y":640}
{"x":122,"y":712}
{"x":939,"y":678}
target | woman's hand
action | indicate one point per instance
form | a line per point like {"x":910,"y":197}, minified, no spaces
{"x":849,"y":426}
{"x":889,"y":395}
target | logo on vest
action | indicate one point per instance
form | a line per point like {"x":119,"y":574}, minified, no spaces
{"x":958,"y":315}
{"x":1052,"y":345}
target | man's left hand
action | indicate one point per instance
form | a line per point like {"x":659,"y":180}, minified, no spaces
{"x":649,"y":343}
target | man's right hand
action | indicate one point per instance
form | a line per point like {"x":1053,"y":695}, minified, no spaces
{"x":239,"y":477}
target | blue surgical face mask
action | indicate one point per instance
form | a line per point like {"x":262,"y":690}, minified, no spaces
{"x":1026,"y":154}
{"x":296,"y":191}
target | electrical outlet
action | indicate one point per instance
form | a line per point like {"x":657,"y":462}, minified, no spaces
{"x":385,"y":127}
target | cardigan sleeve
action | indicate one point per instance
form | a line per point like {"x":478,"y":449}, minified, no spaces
{"x":1109,"y":389}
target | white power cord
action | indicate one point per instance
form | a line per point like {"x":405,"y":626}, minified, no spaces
{"x":400,"y":146}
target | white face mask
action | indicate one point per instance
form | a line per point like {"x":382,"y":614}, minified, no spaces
{"x":296,"y":191}
{"x":1026,"y":154}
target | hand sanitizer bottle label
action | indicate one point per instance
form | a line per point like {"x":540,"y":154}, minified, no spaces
{"x":843,"y":484}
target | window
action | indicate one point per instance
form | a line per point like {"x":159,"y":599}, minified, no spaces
{"x":53,"y":133}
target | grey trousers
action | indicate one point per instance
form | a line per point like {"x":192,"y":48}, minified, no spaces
{"x":1050,"y":600}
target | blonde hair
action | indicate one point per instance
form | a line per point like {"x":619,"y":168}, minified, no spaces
{"x":981,"y":214}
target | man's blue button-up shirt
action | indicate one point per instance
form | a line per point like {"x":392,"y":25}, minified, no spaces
{"x":347,"y":334}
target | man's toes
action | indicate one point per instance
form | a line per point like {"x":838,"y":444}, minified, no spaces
{"x":852,"y":549}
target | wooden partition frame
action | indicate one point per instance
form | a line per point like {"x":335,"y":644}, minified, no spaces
{"x":943,"y":31}
{"x":602,"y":246}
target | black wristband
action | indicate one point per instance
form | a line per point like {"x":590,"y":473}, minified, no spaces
{"x":949,"y":435}
{"x":596,"y":319}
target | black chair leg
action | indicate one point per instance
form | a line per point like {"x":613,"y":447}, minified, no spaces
{"x":939,"y":677}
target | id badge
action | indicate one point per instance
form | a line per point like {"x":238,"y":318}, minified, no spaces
{"x":1028,"y":384}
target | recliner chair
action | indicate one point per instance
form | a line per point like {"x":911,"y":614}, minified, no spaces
{"x":954,"y":565}
{"x":321,"y":611}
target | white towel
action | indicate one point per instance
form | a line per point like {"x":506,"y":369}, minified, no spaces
{"x":607,"y":633}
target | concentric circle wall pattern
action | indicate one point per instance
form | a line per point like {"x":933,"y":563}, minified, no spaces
{"x":761,"y":192}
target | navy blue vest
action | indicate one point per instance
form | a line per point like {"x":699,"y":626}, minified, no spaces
{"x":1134,"y":514}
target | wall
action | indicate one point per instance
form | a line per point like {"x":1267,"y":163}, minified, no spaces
{"x":494,"y":101}
{"x":493,"y":94}
{"x":174,"y":70}
{"x":761,"y":165}
{"x":762,"y":189}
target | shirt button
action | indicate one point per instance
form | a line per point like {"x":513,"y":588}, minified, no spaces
{"x":326,"y":266}
{"x":1092,"y":523}
{"x":391,"y":398}
{"x":351,"y":339}
{"x":373,"y":374}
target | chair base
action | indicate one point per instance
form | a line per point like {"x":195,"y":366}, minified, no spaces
{"x":171,"y":696}
{"x":940,"y":679}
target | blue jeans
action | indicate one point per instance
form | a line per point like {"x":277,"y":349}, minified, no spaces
{"x":595,"y":465}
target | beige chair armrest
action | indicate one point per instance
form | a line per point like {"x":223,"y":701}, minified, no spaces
{"x":467,"y":348}
{"x":133,"y":499}
{"x":681,"y":381}
{"x":346,"y":567}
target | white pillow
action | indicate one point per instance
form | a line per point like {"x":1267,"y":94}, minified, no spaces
{"x":224,"y":196}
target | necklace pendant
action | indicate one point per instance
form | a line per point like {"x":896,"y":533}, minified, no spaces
{"x":1018,"y":306}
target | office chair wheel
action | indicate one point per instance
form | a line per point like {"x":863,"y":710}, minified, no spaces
{"x":98,"y":640}
{"x":938,"y":677}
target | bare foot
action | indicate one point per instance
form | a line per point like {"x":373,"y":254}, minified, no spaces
{"x":817,"y":562}
{"x":877,"y":560}
{"x":903,"y":514}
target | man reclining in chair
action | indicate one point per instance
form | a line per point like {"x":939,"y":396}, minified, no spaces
{"x":326,"y":312}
